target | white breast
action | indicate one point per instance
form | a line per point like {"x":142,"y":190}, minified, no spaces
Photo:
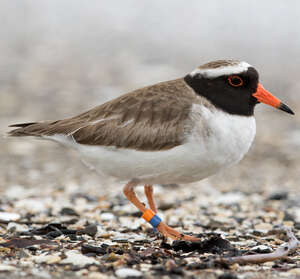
{"x":218,"y":140}
{"x":227,"y":138}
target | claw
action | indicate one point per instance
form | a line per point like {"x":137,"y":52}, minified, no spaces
{"x":169,"y":232}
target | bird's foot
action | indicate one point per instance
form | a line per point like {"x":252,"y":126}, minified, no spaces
{"x":169,"y":232}
{"x":164,"y":229}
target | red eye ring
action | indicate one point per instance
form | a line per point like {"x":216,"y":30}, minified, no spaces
{"x":235,"y":81}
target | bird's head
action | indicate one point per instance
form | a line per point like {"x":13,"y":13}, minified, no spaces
{"x":233,"y":86}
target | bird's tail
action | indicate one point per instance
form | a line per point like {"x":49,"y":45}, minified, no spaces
{"x":45,"y":128}
{"x":35,"y":129}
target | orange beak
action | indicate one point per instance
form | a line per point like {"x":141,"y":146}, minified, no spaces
{"x":264,"y":96}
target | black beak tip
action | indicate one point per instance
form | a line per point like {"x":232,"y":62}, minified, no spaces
{"x":285,"y":108}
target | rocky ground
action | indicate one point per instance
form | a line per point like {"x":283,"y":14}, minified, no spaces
{"x":59,"y":219}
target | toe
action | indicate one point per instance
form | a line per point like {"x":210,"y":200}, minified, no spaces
{"x":169,"y":232}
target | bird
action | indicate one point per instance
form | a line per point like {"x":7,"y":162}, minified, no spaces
{"x":178,"y":131}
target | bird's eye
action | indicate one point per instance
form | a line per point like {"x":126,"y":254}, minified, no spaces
{"x":235,"y":81}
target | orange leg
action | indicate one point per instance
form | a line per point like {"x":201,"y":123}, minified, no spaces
{"x":131,"y":196}
{"x":162,"y":227}
{"x":149,"y":194}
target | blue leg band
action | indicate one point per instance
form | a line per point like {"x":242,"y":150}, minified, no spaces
{"x":155,"y":221}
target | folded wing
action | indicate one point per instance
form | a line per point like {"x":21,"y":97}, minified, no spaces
{"x":152,"y":118}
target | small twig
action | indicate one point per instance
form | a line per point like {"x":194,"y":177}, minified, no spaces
{"x":279,"y":253}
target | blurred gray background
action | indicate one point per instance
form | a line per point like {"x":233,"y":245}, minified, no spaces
{"x":59,"y":58}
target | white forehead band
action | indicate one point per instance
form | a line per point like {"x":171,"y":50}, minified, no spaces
{"x":220,"y":71}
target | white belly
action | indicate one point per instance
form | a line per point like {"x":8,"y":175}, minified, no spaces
{"x":226,"y":140}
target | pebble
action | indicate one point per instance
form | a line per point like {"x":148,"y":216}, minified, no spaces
{"x":31,"y":205}
{"x":15,"y":191}
{"x":49,"y":259}
{"x":145,"y":267}
{"x":295,"y":271}
{"x":297,"y":214}
{"x":173,"y":220}
{"x":15,"y":227}
{"x":107,"y":216}
{"x":131,"y":222}
{"x":76,"y":258}
{"x":278,"y":196}
{"x":170,"y":264}
{"x":263,"y":227}
{"x":90,"y":230}
{"x":227,"y":276}
{"x":96,"y":275}
{"x":86,"y":249}
{"x":262,"y":249}
{"x":53,"y":259}
{"x":112,"y":257}
{"x":8,"y":216}
{"x":128,"y":272}
{"x":6,"y":267}
{"x":247,"y":243}
{"x":68,"y":211}
{"x":40,"y":274}
{"x":230,"y":198}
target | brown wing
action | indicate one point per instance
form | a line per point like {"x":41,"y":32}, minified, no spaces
{"x":152,"y":118}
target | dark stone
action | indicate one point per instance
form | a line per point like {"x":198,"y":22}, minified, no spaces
{"x":26,"y":242}
{"x":90,"y":230}
{"x":73,"y":237}
{"x":262,"y":251}
{"x":297,"y":226}
{"x":278,"y":196}
{"x":71,"y":221}
{"x":176,"y":271}
{"x":87,"y":197}
{"x":133,"y":258}
{"x":68,"y":211}
{"x":137,"y":214}
{"x":227,"y":276}
{"x":258,"y":233}
{"x":215,"y":245}
{"x":53,"y":234}
{"x":239,"y":220}
{"x":55,"y":230}
{"x":48,"y":228}
{"x":119,"y":251}
{"x":160,"y":271}
{"x":68,"y":232}
{"x":165,"y":245}
{"x":166,"y":206}
{"x":87,"y":249}
{"x":104,"y":246}
{"x":288,"y":217}
{"x":195,"y":266}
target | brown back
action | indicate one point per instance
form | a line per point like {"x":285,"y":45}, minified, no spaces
{"x":152,"y":118}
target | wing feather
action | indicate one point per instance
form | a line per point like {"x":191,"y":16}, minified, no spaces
{"x":152,"y":118}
